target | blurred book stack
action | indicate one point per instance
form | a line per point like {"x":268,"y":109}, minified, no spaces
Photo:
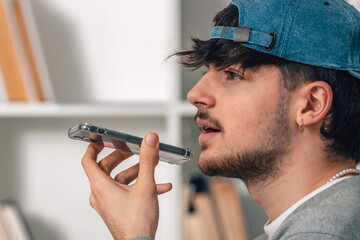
{"x":23,"y":71}
{"x":13,"y":225}
{"x":213,"y":211}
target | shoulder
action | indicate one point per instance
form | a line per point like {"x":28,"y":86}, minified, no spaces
{"x":313,"y":236}
{"x":142,"y":238}
{"x":262,"y":237}
{"x":332,"y":214}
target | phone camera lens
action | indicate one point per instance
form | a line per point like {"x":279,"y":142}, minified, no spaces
{"x":100,"y":130}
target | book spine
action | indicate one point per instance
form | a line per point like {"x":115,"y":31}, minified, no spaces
{"x":14,"y":223}
{"x":9,"y":61}
{"x":229,"y":209}
{"x":3,"y":94}
{"x":4,"y":235}
{"x":28,"y":51}
{"x":34,"y":50}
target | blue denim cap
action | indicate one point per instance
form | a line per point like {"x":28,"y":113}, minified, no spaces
{"x":315,"y":32}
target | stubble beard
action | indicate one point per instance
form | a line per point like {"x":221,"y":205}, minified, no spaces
{"x":261,"y":163}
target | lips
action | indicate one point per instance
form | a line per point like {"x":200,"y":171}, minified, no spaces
{"x":205,"y":126}
{"x":208,"y":130}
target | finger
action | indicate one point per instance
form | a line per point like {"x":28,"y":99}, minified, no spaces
{"x":128,"y":175}
{"x":148,"y":159}
{"x":112,"y":160}
{"x":163,"y":188}
{"x":91,"y":168}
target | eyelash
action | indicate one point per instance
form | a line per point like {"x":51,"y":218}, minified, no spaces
{"x":233,"y":75}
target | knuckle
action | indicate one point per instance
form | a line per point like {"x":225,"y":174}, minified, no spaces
{"x":121,"y":178}
{"x":83,"y":160}
{"x":92,"y":201}
{"x":104,"y":167}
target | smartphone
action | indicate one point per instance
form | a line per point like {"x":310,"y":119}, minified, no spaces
{"x":125,"y":142}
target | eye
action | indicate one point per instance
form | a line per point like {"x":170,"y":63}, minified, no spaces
{"x":231,"y":75}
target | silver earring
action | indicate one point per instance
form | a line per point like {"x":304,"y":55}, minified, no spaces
{"x":301,"y":128}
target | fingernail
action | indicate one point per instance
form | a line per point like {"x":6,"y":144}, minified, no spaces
{"x":151,"y":139}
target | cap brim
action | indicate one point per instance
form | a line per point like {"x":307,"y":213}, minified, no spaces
{"x":355,"y":74}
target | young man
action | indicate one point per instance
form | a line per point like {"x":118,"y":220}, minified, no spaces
{"x":279,"y":108}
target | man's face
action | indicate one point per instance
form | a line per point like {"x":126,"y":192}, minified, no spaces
{"x":244,"y":121}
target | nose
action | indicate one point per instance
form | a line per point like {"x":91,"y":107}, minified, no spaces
{"x":202,"y":94}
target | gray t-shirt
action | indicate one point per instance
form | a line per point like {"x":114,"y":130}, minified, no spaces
{"x":141,"y":238}
{"x":332,"y":214}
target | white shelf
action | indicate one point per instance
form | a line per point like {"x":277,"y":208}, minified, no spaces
{"x":36,"y":110}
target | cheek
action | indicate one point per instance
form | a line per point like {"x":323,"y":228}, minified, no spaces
{"x":241,"y":127}
{"x":244,"y":122}
{"x":244,"y":132}
{"x":244,"y":111}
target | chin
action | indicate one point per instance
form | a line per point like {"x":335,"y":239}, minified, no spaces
{"x":209,"y":165}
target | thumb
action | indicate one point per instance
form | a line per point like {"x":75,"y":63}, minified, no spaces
{"x":149,"y":154}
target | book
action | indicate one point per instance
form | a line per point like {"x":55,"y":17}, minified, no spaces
{"x":35,"y":61}
{"x":3,"y":232}
{"x":212,"y":210}
{"x":22,"y":62}
{"x":13,"y":225}
{"x":34,"y":84}
{"x":201,"y":224}
{"x":9,"y":60}
{"x":229,"y":210}
{"x":3,"y":94}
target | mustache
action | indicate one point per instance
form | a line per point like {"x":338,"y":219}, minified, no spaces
{"x":205,"y":115}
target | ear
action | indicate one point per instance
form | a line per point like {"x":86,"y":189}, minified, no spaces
{"x":315,"y":102}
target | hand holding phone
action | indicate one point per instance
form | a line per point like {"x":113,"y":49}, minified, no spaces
{"x":127,"y":210}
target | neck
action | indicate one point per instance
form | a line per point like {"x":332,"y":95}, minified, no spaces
{"x":292,"y":183}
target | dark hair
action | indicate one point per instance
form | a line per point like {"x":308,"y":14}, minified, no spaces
{"x":342,"y":134}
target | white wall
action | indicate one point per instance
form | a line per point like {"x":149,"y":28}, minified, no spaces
{"x":120,"y":44}
{"x":355,"y":3}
